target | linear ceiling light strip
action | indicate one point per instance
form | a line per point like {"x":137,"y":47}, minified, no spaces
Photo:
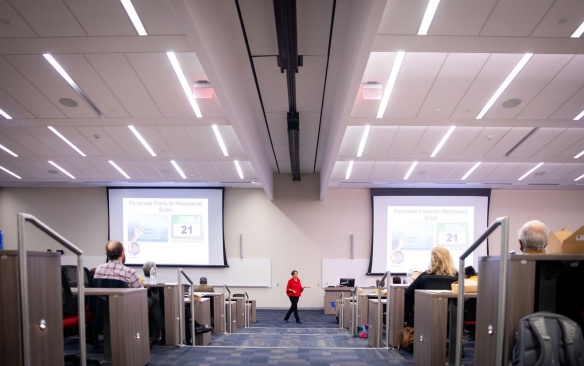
{"x":119,"y":169}
{"x":399,"y":58}
{"x":530,"y":171}
{"x":178,"y":169}
{"x":428,"y":17}
{"x":61,"y":169}
{"x":183,"y":83}
{"x":72,"y":83}
{"x":505,"y":84}
{"x":66,"y":140}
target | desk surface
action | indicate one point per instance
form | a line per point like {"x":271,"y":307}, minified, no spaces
{"x":159,"y":284}
{"x":445,"y":293}
{"x":108,"y":291}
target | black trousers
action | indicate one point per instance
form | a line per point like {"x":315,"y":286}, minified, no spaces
{"x":293,"y":308}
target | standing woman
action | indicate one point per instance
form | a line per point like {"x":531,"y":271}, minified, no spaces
{"x":294,"y":290}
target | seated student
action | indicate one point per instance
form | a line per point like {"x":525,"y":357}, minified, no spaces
{"x":441,"y":264}
{"x":396,"y":280}
{"x":533,"y":237}
{"x":203,"y":287}
{"x":116,"y":269}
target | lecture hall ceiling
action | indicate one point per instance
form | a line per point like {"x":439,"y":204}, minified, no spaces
{"x":348,"y":50}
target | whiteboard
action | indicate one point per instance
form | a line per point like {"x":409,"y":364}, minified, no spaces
{"x":242,"y":272}
{"x":334,"y":269}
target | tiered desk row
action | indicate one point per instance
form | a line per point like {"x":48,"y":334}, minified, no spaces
{"x":128,"y":338}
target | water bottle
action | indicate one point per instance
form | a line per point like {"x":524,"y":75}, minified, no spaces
{"x":409,"y":275}
{"x":153,"y":275}
{"x":1,"y":240}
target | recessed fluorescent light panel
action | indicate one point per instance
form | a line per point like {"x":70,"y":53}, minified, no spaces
{"x":428,"y":17}
{"x":72,"y":83}
{"x":9,"y":172}
{"x":183,"y":83}
{"x":575,"y":180}
{"x":61,"y":169}
{"x":141,"y":139}
{"x":530,"y":171}
{"x":66,"y":140}
{"x":577,"y":118}
{"x":580,"y":154}
{"x":349,"y":170}
{"x":131,"y":11}
{"x":505,"y":84}
{"x":5,"y":115}
{"x":239,"y":171}
{"x":363,"y":140}
{"x":220,"y":140}
{"x":410,"y":170}
{"x":471,"y":170}
{"x":399,"y":58}
{"x":119,"y":169}
{"x":578,"y":32}
{"x":8,"y":151}
{"x":178,"y":169}
{"x":443,"y":141}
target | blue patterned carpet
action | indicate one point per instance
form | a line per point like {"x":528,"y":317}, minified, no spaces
{"x":271,"y":341}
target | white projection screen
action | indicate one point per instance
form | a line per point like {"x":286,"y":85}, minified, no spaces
{"x":408,"y":223}
{"x":170,"y":226}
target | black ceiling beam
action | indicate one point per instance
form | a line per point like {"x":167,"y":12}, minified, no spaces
{"x":289,"y":61}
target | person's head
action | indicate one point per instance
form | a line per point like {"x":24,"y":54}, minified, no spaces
{"x":294,"y":273}
{"x":469,"y":271}
{"x":441,"y":262}
{"x":533,"y":237}
{"x":396,"y":280}
{"x":203,"y":280}
{"x":114,"y":250}
{"x":147,"y":267}
{"x":379,"y":283}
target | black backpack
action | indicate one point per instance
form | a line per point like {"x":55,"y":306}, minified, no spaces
{"x":545,"y":338}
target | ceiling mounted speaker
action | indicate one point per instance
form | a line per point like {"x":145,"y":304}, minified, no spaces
{"x":372,"y":90}
{"x":202,"y":89}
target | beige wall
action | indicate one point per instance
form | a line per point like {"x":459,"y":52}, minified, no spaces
{"x":296,"y":230}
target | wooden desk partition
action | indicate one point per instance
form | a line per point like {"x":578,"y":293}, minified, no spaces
{"x":217,"y":300}
{"x":128,"y":321}
{"x":396,"y":312}
{"x":203,"y":316}
{"x":331,"y":294}
{"x":171,"y":306}
{"x":44,"y":302}
{"x":230,"y":319}
{"x":522,"y":281}
{"x":430,"y":331}
{"x":376,"y":323}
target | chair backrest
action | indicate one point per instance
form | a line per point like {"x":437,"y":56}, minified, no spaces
{"x":109,"y":283}
{"x":437,"y":282}
{"x":69,"y":302}
{"x":98,"y":304}
{"x":71,"y":274}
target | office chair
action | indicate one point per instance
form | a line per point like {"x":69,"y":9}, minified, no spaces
{"x":100,"y":307}
{"x":71,"y":274}
{"x":71,"y":318}
{"x":434,"y":282}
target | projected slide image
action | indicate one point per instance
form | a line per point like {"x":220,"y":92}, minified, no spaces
{"x":453,"y":235}
{"x":147,"y":228}
{"x":414,"y":236}
{"x":187,"y":227}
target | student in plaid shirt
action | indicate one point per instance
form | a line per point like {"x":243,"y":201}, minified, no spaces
{"x":115,"y":269}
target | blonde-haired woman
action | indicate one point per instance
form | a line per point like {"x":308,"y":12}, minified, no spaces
{"x":441,"y":264}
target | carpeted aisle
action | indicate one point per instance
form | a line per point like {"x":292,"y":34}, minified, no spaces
{"x":271,"y":341}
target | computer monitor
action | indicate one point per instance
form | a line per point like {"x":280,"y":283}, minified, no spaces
{"x":347,"y":282}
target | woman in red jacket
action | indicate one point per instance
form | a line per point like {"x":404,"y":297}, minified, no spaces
{"x":294,"y":290}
